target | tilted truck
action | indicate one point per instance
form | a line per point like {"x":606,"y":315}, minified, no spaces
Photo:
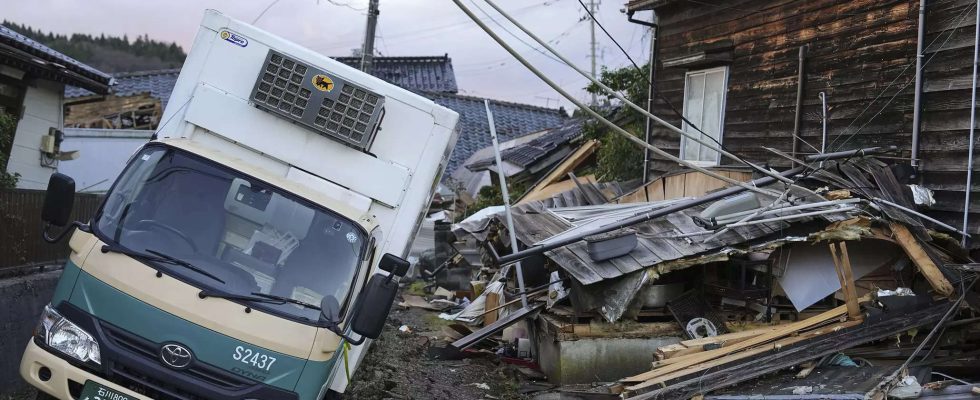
{"x":258,"y":232}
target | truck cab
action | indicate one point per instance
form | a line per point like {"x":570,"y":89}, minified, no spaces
{"x":249,"y":251}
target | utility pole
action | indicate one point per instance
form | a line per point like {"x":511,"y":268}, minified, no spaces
{"x":367,"y":52}
{"x":592,"y":9}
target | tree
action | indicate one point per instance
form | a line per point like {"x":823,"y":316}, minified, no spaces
{"x":618,"y":159}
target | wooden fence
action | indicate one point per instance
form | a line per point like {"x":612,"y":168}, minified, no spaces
{"x":20,"y":227}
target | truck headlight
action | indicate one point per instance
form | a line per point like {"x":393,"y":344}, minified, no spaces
{"x":62,"y":335}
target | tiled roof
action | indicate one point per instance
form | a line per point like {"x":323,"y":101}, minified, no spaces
{"x":23,"y":43}
{"x":158,"y":83}
{"x":530,"y":152}
{"x":426,"y":74}
{"x":511,"y":120}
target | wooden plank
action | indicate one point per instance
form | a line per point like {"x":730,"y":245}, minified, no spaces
{"x":556,"y":174}
{"x":492,"y":301}
{"x":742,"y":355}
{"x":728,"y":338}
{"x":921,"y":260}
{"x":833,"y":342}
{"x":655,"y":190}
{"x":761,"y":339}
{"x":843,"y":266}
{"x":674,"y":187}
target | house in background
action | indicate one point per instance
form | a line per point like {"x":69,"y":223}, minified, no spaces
{"x":117,"y":122}
{"x":32,"y":86}
{"x":433,"y":77}
{"x":750,"y":73}
{"x":136,"y":102}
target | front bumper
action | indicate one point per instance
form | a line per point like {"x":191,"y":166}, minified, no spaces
{"x":65,"y":377}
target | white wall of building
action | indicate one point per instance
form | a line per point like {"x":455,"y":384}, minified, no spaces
{"x":103,"y":154}
{"x":43,"y":105}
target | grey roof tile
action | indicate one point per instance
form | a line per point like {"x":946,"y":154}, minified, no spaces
{"x":12,"y":38}
{"x":530,"y":152}
{"x":427,"y":74}
{"x":511,"y":120}
{"x":158,"y":83}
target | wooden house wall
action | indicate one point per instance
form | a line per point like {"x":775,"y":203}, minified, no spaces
{"x":946,"y":109}
{"x":855,"y":48}
{"x":861,"y":53}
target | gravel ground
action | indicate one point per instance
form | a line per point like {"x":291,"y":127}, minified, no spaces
{"x":398,"y":366}
{"x":25,"y":394}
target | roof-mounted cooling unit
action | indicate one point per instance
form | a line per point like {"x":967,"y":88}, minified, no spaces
{"x":318,"y":100}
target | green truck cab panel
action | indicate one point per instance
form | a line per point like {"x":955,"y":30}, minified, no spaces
{"x":211,"y":347}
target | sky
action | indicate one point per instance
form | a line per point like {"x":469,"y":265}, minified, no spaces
{"x":405,"y":28}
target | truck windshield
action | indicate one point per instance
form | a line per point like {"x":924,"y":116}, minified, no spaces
{"x":241,"y":236}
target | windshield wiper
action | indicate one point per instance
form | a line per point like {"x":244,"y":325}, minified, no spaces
{"x":286,"y":300}
{"x":256,"y":297}
{"x":174,"y":260}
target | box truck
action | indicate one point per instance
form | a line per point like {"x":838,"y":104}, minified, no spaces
{"x":251,"y":249}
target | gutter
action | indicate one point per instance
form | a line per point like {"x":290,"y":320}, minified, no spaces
{"x":800,"y":85}
{"x":652,"y":75}
{"x":917,"y":103}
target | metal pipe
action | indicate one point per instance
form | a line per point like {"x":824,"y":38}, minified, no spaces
{"x":595,"y":115}
{"x":794,"y":216}
{"x":680,"y":206}
{"x":917,"y":102}
{"x":823,"y":118}
{"x":652,"y":74}
{"x":697,"y":138}
{"x":800,"y":84}
{"x":726,"y":219}
{"x":921,"y":215}
{"x":973,"y":122}
{"x":506,"y":194}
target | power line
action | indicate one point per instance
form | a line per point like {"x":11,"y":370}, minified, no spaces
{"x":656,"y":90}
{"x":962,"y":15}
{"x":432,"y":30}
{"x":257,"y":17}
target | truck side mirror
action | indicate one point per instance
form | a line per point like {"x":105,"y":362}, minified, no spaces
{"x":59,"y":200}
{"x":372,"y":305}
{"x":372,"y":310}
{"x":394,"y":265}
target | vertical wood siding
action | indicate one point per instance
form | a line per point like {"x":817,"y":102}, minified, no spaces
{"x":856,"y":49}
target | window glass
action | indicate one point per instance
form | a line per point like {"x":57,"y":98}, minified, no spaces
{"x":253,"y":237}
{"x":704,"y":106}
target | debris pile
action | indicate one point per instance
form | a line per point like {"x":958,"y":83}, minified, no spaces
{"x":831,"y":283}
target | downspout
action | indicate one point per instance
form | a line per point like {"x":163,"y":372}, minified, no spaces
{"x":917,"y":106}
{"x":800,"y":85}
{"x":973,"y":121}
{"x":651,"y":76}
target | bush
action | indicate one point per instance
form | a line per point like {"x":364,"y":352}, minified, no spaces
{"x":7,"y":127}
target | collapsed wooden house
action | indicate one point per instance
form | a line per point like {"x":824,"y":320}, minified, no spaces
{"x":137,"y":101}
{"x":775,"y":73}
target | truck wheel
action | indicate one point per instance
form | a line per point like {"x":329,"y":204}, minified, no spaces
{"x":330,"y":395}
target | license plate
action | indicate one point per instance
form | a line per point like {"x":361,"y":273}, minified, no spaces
{"x":95,"y":391}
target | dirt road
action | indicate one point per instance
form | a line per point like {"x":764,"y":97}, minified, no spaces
{"x":399,"y":365}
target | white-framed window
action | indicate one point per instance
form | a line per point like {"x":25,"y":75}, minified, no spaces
{"x":704,"y":105}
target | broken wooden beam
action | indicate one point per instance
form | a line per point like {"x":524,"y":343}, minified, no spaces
{"x":777,"y":334}
{"x":873,"y":328}
{"x":921,"y":260}
{"x":842,"y":264}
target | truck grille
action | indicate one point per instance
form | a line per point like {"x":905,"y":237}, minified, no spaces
{"x":149,"y":350}
{"x":318,"y":100}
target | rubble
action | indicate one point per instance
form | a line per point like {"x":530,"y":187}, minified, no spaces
{"x":684,"y":297}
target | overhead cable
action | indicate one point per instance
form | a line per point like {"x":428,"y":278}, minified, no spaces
{"x":622,"y":98}
{"x":596,"y":115}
